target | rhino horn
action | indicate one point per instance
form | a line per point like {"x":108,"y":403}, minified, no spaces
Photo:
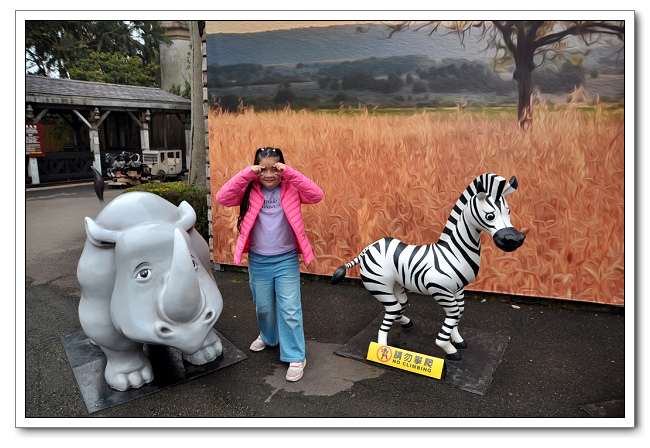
{"x":182,"y":296}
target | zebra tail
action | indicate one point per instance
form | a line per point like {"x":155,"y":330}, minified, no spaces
{"x":339,"y":274}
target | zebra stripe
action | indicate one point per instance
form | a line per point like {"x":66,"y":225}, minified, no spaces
{"x":441,"y":270}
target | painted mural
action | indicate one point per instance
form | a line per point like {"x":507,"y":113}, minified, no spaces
{"x":394,"y":127}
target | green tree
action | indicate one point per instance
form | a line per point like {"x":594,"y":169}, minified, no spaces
{"x":186,"y":93}
{"x":55,"y":47}
{"x":114,"y":68}
{"x":527,"y":43}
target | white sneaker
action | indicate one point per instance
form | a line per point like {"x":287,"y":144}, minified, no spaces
{"x":258,"y":345}
{"x":295,"y":371}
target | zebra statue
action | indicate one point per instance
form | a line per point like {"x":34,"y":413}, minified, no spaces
{"x":390,"y":267}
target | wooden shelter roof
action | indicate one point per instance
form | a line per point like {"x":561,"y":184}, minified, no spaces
{"x":67,"y":93}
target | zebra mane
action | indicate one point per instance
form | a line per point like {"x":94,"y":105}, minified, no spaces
{"x":493,"y":184}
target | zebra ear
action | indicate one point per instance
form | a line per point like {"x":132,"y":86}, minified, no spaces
{"x":480,"y":190}
{"x":511,"y":187}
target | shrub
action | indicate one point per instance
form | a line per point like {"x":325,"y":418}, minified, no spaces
{"x":177,"y":192}
{"x":284,"y":96}
{"x":229,"y":103}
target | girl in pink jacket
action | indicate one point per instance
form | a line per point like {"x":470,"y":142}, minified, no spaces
{"x":269,"y":195}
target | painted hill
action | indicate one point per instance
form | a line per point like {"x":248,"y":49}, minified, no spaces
{"x":327,"y":67}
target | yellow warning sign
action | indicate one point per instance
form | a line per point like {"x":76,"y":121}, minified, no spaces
{"x":406,"y":360}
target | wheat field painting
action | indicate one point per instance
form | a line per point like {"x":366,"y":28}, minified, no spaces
{"x":398,"y":173}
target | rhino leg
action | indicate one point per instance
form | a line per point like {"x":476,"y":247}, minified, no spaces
{"x":127,"y":369}
{"x":210,"y":350}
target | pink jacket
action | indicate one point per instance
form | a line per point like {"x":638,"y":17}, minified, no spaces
{"x":295,"y":189}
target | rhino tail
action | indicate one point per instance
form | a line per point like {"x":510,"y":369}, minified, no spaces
{"x":98,"y":181}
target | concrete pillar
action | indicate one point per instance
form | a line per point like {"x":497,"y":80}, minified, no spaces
{"x":144,"y":136}
{"x":188,"y":145}
{"x":175,"y":58}
{"x":33,"y":171}
{"x":197,"y":167}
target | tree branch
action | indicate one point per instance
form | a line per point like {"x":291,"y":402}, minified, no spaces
{"x":504,"y":28}
{"x":582,"y":29}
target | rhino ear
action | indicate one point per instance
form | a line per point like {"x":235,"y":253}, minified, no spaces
{"x":98,"y":235}
{"x":188,"y":216}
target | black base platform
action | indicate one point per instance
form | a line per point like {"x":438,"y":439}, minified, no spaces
{"x":608,"y":409}
{"x":88,"y":363}
{"x":472,"y":374}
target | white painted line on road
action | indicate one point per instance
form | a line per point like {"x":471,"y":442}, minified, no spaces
{"x":51,"y":196}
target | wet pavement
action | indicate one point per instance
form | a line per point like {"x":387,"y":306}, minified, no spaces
{"x":564,"y":364}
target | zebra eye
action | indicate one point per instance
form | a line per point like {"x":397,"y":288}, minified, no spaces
{"x":489,"y":216}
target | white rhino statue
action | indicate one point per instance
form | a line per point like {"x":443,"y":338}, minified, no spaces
{"x":145,"y":278}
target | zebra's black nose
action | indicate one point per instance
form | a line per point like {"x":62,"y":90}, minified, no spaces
{"x":509,"y":239}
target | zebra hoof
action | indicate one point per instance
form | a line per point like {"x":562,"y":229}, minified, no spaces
{"x":408,"y":326}
{"x":339,"y":275}
{"x":460,"y":345}
{"x":453,"y":357}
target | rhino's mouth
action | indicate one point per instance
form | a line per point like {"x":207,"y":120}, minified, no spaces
{"x":186,"y":335}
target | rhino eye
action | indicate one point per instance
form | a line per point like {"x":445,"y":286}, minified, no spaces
{"x":195,"y":264}
{"x":143,"y":274}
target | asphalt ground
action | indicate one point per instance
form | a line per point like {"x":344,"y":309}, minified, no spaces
{"x":561,"y":358}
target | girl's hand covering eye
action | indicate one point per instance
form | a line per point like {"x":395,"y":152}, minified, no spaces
{"x":279,"y":167}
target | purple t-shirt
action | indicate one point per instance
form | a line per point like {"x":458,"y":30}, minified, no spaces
{"x":272,"y":234}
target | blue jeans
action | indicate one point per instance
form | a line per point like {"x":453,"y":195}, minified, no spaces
{"x":275,"y":284}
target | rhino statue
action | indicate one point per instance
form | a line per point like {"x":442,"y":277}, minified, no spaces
{"x":145,"y":277}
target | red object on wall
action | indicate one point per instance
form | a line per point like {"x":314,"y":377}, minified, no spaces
{"x":34,"y":140}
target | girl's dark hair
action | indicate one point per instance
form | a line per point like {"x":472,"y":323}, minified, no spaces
{"x":261,"y":153}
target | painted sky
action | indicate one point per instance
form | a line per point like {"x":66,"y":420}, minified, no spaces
{"x":306,"y":41}
{"x":290,"y":43}
{"x":254,"y":26}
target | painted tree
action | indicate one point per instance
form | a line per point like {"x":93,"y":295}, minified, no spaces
{"x":527,"y":43}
